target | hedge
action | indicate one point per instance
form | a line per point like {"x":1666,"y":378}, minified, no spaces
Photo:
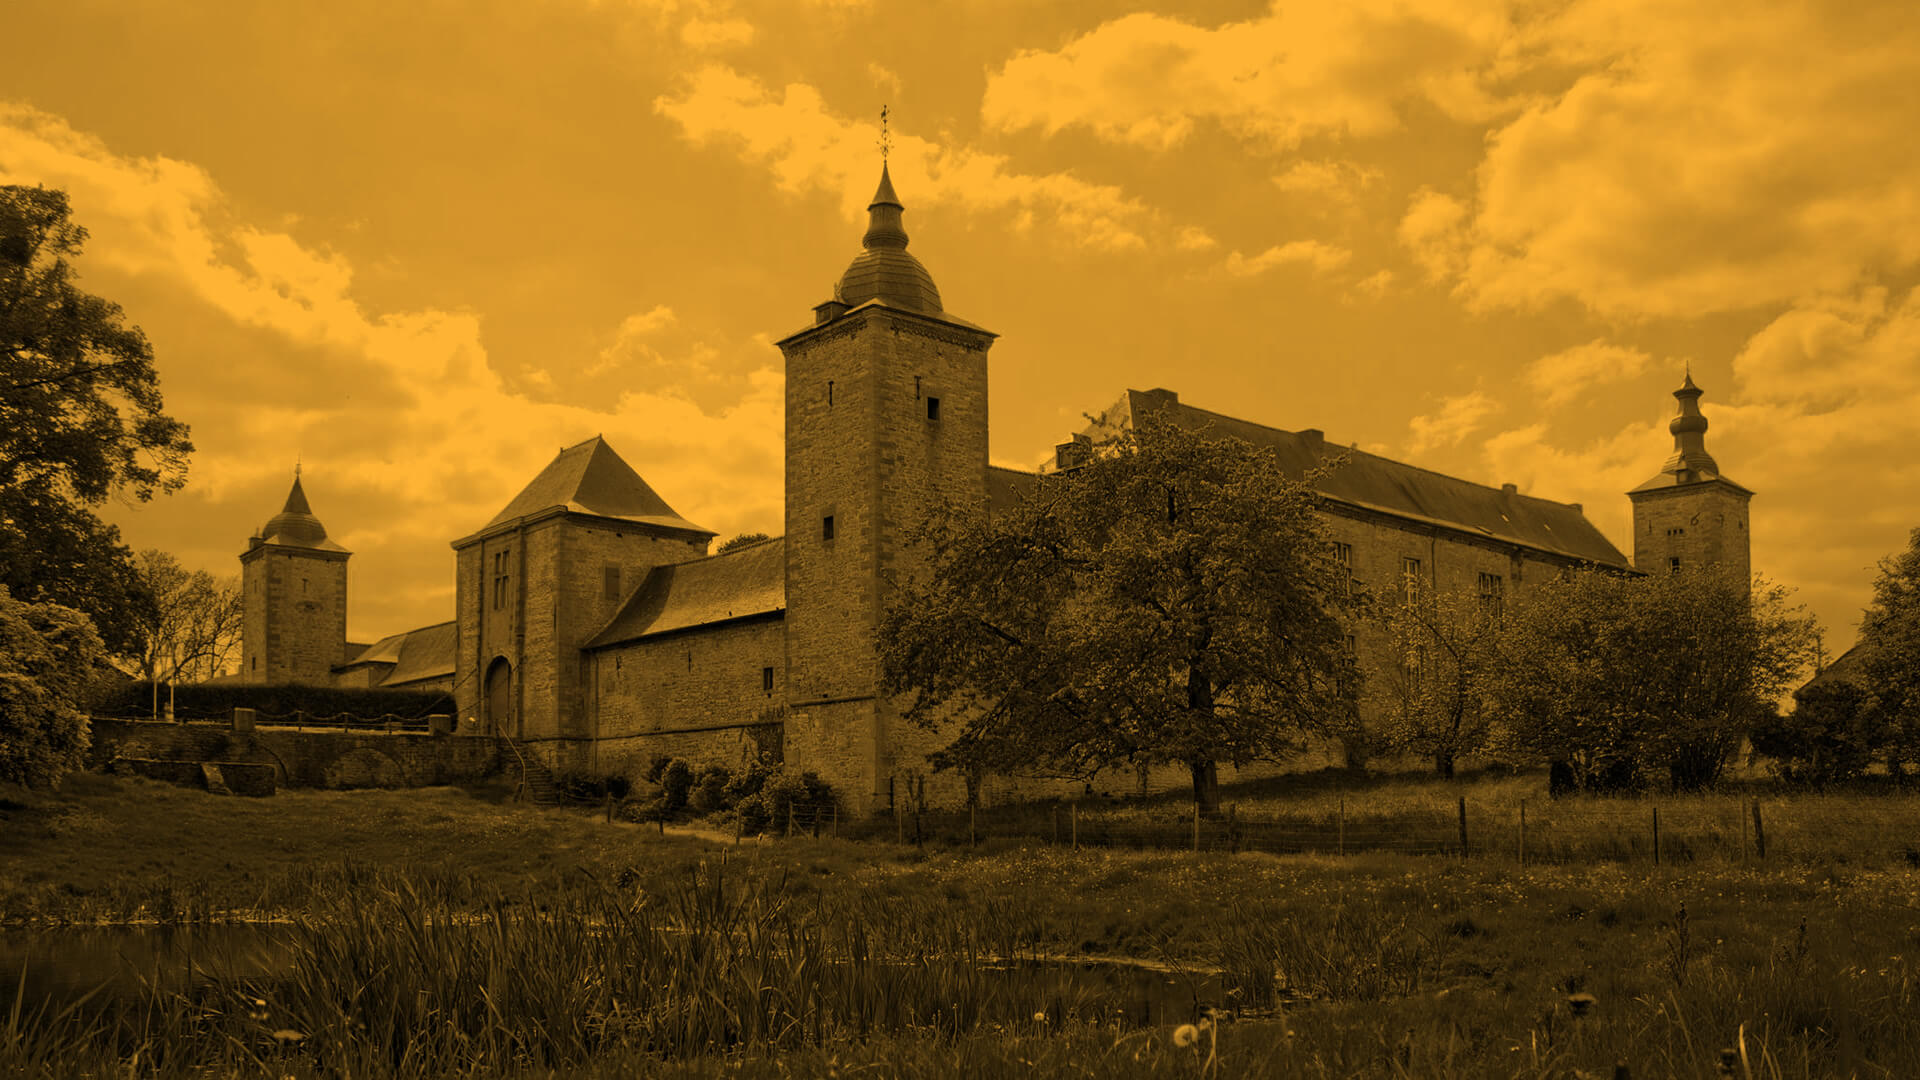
{"x":216,"y":701}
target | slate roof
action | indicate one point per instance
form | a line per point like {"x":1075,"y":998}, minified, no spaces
{"x":295,"y":525}
{"x":1848,"y":667}
{"x":1382,"y":485}
{"x":590,"y":478}
{"x":423,"y":653}
{"x":1006,"y":487}
{"x":740,"y":584}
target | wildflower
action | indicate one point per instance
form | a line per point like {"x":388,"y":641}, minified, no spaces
{"x":1186,"y":1035}
{"x":1040,"y":1018}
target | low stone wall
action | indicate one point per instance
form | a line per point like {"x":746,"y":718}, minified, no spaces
{"x":306,"y":759}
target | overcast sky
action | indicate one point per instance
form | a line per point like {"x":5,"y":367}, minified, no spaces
{"x":421,"y":246}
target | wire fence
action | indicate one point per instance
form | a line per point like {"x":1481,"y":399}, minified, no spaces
{"x":1734,"y":829}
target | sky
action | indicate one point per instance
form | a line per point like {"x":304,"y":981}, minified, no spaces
{"x":418,"y":248}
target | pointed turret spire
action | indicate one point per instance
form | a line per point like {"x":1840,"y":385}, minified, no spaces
{"x":1689,"y":430}
{"x":884,"y":228}
{"x":295,"y":524}
{"x":296,"y":498}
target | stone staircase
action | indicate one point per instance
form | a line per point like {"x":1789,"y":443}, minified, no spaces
{"x":536,"y":784}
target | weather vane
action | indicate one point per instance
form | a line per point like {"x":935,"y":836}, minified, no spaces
{"x":886,"y":138}
{"x":296,"y":466}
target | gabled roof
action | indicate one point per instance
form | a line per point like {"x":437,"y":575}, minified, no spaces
{"x":414,"y":655}
{"x":1369,"y":482}
{"x":590,"y":478}
{"x":743,"y":583}
{"x":1849,"y":667}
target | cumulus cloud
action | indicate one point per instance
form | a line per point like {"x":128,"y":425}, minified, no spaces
{"x":1563,"y":376}
{"x":1299,"y":71}
{"x":1333,"y":181}
{"x":1194,"y":238}
{"x":808,"y":146}
{"x":1459,"y":417}
{"x":1321,"y":257}
{"x":1698,"y":164}
{"x":414,"y":414}
{"x":705,"y":34}
{"x":1433,"y":232}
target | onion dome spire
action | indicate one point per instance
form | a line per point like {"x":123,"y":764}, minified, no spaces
{"x":1689,"y":430}
{"x":295,"y":523}
{"x":885,"y":270}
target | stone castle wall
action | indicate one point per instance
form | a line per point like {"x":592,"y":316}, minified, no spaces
{"x":1701,"y":524}
{"x":294,"y":618}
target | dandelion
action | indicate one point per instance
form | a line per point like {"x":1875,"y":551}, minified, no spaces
{"x":1186,"y":1035}
{"x":1040,"y":1018}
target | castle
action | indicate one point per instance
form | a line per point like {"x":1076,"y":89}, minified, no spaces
{"x":592,"y":624}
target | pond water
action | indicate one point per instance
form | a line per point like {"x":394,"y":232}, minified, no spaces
{"x":58,"y":966}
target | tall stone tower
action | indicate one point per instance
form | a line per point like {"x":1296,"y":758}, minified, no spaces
{"x":886,"y":424}
{"x":1688,"y":515}
{"x":293,"y":626}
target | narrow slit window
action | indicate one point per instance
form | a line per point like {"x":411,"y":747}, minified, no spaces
{"x":933,"y":408}
{"x":766,"y":680}
{"x":826,"y":527}
{"x":829,"y":391}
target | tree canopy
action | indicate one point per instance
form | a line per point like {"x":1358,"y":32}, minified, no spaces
{"x":1619,"y":675}
{"x":1172,"y":601}
{"x":47,"y":658}
{"x":1430,"y":688}
{"x":192,"y":629}
{"x":80,"y":418}
{"x":1890,"y":632}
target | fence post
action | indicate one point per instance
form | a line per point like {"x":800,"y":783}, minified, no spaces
{"x":973,"y":838}
{"x":1759,"y":833}
{"x":899,"y":827}
{"x":1523,"y":832}
{"x":1463,"y":826}
{"x":836,"y":821}
{"x":1073,"y":812}
{"x":1056,"y":824}
{"x":609,"y":807}
{"x":1740,"y":812}
{"x":1340,"y":827}
{"x":1196,"y":826}
{"x":1656,"y":836}
{"x":736,"y":828}
{"x":789,"y":819}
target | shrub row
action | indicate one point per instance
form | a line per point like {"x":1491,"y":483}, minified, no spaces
{"x":218,"y":700}
{"x":763,"y":795}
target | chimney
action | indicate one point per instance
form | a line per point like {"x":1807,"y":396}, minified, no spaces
{"x":827,"y":312}
{"x":1073,"y":453}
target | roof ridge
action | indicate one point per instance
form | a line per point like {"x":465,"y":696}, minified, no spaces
{"x":1377,"y":457}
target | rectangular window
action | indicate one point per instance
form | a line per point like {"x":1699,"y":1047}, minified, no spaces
{"x":1676,"y":532}
{"x":1673,"y":565}
{"x":1492,"y":595}
{"x":826,"y":527}
{"x":612,"y":574}
{"x":766,"y":680}
{"x":829,"y":391}
{"x":1343,"y":555}
{"x":500,"y":577}
{"x":1409,"y":579}
{"x":933,"y":408}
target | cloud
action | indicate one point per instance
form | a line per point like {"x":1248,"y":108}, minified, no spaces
{"x":1375,"y":285}
{"x":808,"y":147}
{"x":1302,"y":70}
{"x":1333,"y":181}
{"x":1320,"y":256}
{"x":413,"y":415}
{"x":1694,"y":164}
{"x":1459,"y":417}
{"x":1564,"y":375}
{"x":1194,"y":238}
{"x":1432,"y":231}
{"x":707,"y":34}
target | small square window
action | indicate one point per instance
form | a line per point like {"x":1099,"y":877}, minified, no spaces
{"x":1673,"y":565}
{"x":826,"y":527}
{"x":933,"y":408}
{"x":766,"y":680}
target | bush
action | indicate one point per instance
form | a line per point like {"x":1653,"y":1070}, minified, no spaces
{"x":709,"y":789}
{"x":47,"y":655}
{"x":216,"y":701}
{"x":592,"y":787}
{"x":676,"y":782}
{"x":1833,"y":735}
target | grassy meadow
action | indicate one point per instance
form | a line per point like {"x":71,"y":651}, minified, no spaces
{"x":443,"y":933}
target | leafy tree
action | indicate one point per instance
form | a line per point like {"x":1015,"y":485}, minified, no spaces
{"x":1891,"y":629}
{"x":80,"y":418}
{"x":1172,"y":601}
{"x":741,"y":541}
{"x":1431,"y":685}
{"x":1833,"y":734}
{"x":47,"y":658}
{"x":1616,"y":675}
{"x":192,"y":630}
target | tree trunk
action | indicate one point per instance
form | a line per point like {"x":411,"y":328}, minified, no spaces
{"x":1206,"y":786}
{"x":1443,"y":763}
